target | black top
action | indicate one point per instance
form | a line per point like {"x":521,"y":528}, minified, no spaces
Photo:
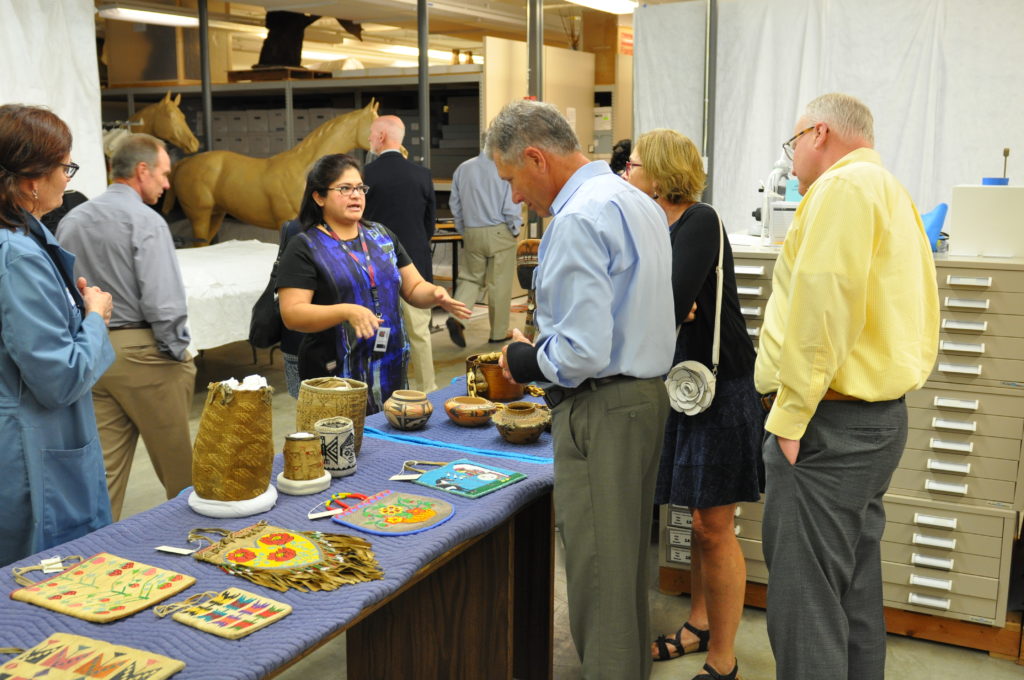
{"x":695,"y":238}
{"x":402,"y":199}
{"x":298,"y":268}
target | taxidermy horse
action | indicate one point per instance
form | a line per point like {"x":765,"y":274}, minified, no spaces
{"x":262,"y":191}
{"x":164,"y":120}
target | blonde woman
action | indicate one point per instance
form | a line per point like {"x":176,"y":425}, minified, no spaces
{"x":710,"y":461}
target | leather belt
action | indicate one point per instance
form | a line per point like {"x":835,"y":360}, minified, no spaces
{"x":830,"y":395}
{"x":131,"y":326}
{"x":556,"y":394}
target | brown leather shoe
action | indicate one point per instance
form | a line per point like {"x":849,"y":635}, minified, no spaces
{"x":455,"y":332}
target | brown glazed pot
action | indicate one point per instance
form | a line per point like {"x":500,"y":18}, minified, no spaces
{"x":521,"y":422}
{"x":469,"y":411}
{"x":408,"y":409}
{"x":488,"y":380}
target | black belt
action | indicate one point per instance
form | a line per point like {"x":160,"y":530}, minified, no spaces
{"x":556,"y":394}
{"x":131,"y":326}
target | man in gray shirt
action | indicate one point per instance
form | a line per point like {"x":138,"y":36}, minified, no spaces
{"x":481,"y":203}
{"x":121,"y":242}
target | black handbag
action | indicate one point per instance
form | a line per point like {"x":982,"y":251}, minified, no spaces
{"x":265,"y":325}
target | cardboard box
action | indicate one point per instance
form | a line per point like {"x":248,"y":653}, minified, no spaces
{"x":236,"y":122}
{"x":257,"y":121}
{"x":276,"y":120}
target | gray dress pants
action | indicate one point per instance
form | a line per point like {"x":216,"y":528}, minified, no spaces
{"x":823,"y":521}
{"x":607,"y":444}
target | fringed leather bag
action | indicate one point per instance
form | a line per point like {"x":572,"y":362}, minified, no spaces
{"x":280,"y":559}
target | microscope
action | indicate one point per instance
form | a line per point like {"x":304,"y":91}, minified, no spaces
{"x":775,"y":213}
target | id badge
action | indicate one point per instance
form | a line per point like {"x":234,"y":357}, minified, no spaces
{"x":380,"y":342}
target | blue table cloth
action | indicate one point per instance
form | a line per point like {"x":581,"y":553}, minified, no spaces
{"x":315,"y":615}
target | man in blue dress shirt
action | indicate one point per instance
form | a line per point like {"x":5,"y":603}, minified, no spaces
{"x":605,"y":341}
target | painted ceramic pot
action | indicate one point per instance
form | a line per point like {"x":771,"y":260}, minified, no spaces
{"x":469,"y":411}
{"x":521,"y":422}
{"x":486,"y":379}
{"x":408,"y":409}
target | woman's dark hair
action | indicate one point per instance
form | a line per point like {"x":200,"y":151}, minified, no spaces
{"x":620,"y":154}
{"x":325,"y":171}
{"x":33,"y":142}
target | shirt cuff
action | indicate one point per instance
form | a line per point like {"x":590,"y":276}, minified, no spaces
{"x":522,"y":363}
{"x":783,"y":421}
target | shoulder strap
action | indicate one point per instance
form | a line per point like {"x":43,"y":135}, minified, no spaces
{"x":719,"y":276}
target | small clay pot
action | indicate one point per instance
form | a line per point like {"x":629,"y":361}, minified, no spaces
{"x":521,"y":422}
{"x":469,"y":411}
{"x":408,"y":409}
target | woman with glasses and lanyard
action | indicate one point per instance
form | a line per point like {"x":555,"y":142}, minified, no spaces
{"x":340,"y":279}
{"x":710,"y":460}
{"x":53,"y":348}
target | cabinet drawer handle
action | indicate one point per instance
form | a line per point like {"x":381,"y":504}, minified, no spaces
{"x":754,"y":312}
{"x":962,"y":369}
{"x":749,"y":291}
{"x":965,"y":347}
{"x":753,"y":332}
{"x":945,"y":487}
{"x":946,"y":564}
{"x":928,"y":582}
{"x":965,"y":303}
{"x":942,"y":603}
{"x":971,"y":281}
{"x":974,"y":326}
{"x":958,"y":425}
{"x":933,"y":541}
{"x":935,"y":521}
{"x":749,"y":270}
{"x":962,"y":404}
{"x":952,"y":468}
{"x":958,"y":447}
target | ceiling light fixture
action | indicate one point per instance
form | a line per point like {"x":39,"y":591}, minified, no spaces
{"x":408,"y":51}
{"x":168,"y":15}
{"x":610,"y":6}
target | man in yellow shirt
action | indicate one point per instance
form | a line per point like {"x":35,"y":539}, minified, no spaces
{"x":852,"y":326}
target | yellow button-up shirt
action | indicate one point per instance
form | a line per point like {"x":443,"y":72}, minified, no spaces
{"x":854,"y":303}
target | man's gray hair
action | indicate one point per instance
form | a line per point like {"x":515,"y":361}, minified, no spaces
{"x":526,"y":123}
{"x":136,"y":148}
{"x":847,"y":115}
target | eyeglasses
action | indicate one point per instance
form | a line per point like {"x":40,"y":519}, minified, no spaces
{"x":788,"y":145}
{"x":632,"y":164}
{"x":347,"y":189}
{"x":69,"y":169}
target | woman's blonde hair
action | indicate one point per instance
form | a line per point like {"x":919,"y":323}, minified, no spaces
{"x":673,"y":163}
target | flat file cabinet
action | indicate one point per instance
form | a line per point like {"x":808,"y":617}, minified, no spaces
{"x":953,"y":503}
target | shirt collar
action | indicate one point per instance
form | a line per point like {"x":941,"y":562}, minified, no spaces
{"x":861,"y":155}
{"x":398,"y":151}
{"x":584,"y":173}
{"x":122,"y":188}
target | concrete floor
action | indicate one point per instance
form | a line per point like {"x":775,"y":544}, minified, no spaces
{"x":907,"y":658}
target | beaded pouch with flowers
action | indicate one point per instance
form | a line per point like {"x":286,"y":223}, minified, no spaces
{"x":101,"y":588}
{"x":281,"y":559}
{"x":389,"y":513}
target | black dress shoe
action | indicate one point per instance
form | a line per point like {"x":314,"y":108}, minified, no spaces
{"x":455,"y":332}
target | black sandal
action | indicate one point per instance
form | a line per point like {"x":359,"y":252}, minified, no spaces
{"x":663,"y":642}
{"x":711,"y":674}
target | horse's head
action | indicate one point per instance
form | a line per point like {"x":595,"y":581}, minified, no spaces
{"x":166,"y":121}
{"x":366,"y":116}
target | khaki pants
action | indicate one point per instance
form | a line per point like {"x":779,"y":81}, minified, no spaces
{"x":420,"y":370}
{"x":488,"y":259}
{"x":149,"y":393}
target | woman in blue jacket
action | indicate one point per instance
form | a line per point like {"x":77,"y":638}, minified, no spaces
{"x":53,"y":348}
